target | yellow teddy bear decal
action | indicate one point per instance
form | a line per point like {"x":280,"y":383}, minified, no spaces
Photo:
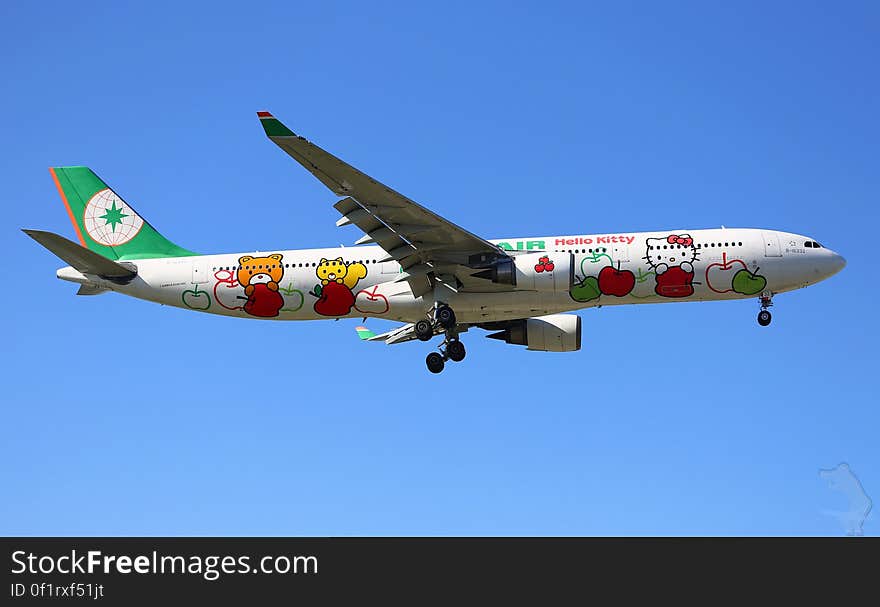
{"x":260,"y":277}
{"x":335,"y":296}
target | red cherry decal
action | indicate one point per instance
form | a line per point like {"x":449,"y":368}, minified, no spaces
{"x":539,"y":268}
{"x":549,"y":267}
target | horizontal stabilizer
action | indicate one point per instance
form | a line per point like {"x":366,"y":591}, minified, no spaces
{"x":90,"y":289}
{"x":83,"y":259}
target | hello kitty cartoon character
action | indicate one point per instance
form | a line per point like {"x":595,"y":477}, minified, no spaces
{"x":672,"y":259}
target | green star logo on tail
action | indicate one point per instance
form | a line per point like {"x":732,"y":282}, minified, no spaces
{"x":112,"y":216}
{"x":109,"y":221}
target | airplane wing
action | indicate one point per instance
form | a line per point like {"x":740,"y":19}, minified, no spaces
{"x":399,"y":335}
{"x":426,"y":245}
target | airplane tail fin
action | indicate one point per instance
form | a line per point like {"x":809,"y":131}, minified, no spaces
{"x":104,"y":222}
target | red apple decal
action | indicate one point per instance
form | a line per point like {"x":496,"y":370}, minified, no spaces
{"x":617,"y":282}
{"x":544,"y":265}
{"x":227,"y":292}
{"x":719,"y":276}
{"x":371,"y":302}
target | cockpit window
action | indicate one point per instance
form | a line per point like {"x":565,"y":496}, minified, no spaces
{"x":817,"y":245}
{"x":809,"y":244}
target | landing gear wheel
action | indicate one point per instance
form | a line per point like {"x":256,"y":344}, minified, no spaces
{"x":435,"y":362}
{"x":455,"y":351}
{"x":764,"y":318}
{"x":424,"y":331}
{"x":446,"y":317}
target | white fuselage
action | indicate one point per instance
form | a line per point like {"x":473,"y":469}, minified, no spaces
{"x":666,"y":266}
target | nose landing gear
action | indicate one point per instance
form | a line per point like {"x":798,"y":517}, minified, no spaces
{"x":764,"y":316}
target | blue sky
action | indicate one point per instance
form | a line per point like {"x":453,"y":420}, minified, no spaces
{"x":124,"y":417}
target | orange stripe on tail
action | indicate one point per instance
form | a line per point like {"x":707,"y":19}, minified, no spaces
{"x":67,"y":206}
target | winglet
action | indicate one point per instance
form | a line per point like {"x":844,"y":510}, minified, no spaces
{"x":364,"y":333}
{"x":273,"y":126}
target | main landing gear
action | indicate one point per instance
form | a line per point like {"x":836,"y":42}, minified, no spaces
{"x":452,"y":348}
{"x":442,"y":317}
{"x":764,"y":316}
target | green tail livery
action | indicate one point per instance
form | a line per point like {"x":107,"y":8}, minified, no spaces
{"x":104,"y":222}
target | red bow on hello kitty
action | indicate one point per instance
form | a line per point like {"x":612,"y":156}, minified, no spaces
{"x":682,"y":240}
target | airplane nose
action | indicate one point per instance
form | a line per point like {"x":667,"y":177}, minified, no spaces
{"x":837,"y":263}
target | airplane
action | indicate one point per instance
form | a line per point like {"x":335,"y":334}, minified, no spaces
{"x":413,"y":266}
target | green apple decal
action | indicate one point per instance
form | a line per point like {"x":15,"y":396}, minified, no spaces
{"x":640,"y":277}
{"x":586,"y":290}
{"x":748,"y":283}
{"x":594,"y":258}
{"x":296,"y":298}
{"x":195,"y":299}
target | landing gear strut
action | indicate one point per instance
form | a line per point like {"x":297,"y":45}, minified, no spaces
{"x":764,"y":316}
{"x":452,"y":348}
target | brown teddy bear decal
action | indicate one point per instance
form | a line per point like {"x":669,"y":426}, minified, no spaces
{"x":260,"y":277}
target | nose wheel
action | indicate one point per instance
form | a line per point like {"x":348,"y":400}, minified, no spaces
{"x":764,"y":316}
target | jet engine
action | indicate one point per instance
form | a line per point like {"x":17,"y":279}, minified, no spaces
{"x":544,"y":272}
{"x":553,"y":333}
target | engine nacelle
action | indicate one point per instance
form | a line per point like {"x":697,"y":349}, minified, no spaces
{"x":545,"y":272}
{"x":553,"y":333}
